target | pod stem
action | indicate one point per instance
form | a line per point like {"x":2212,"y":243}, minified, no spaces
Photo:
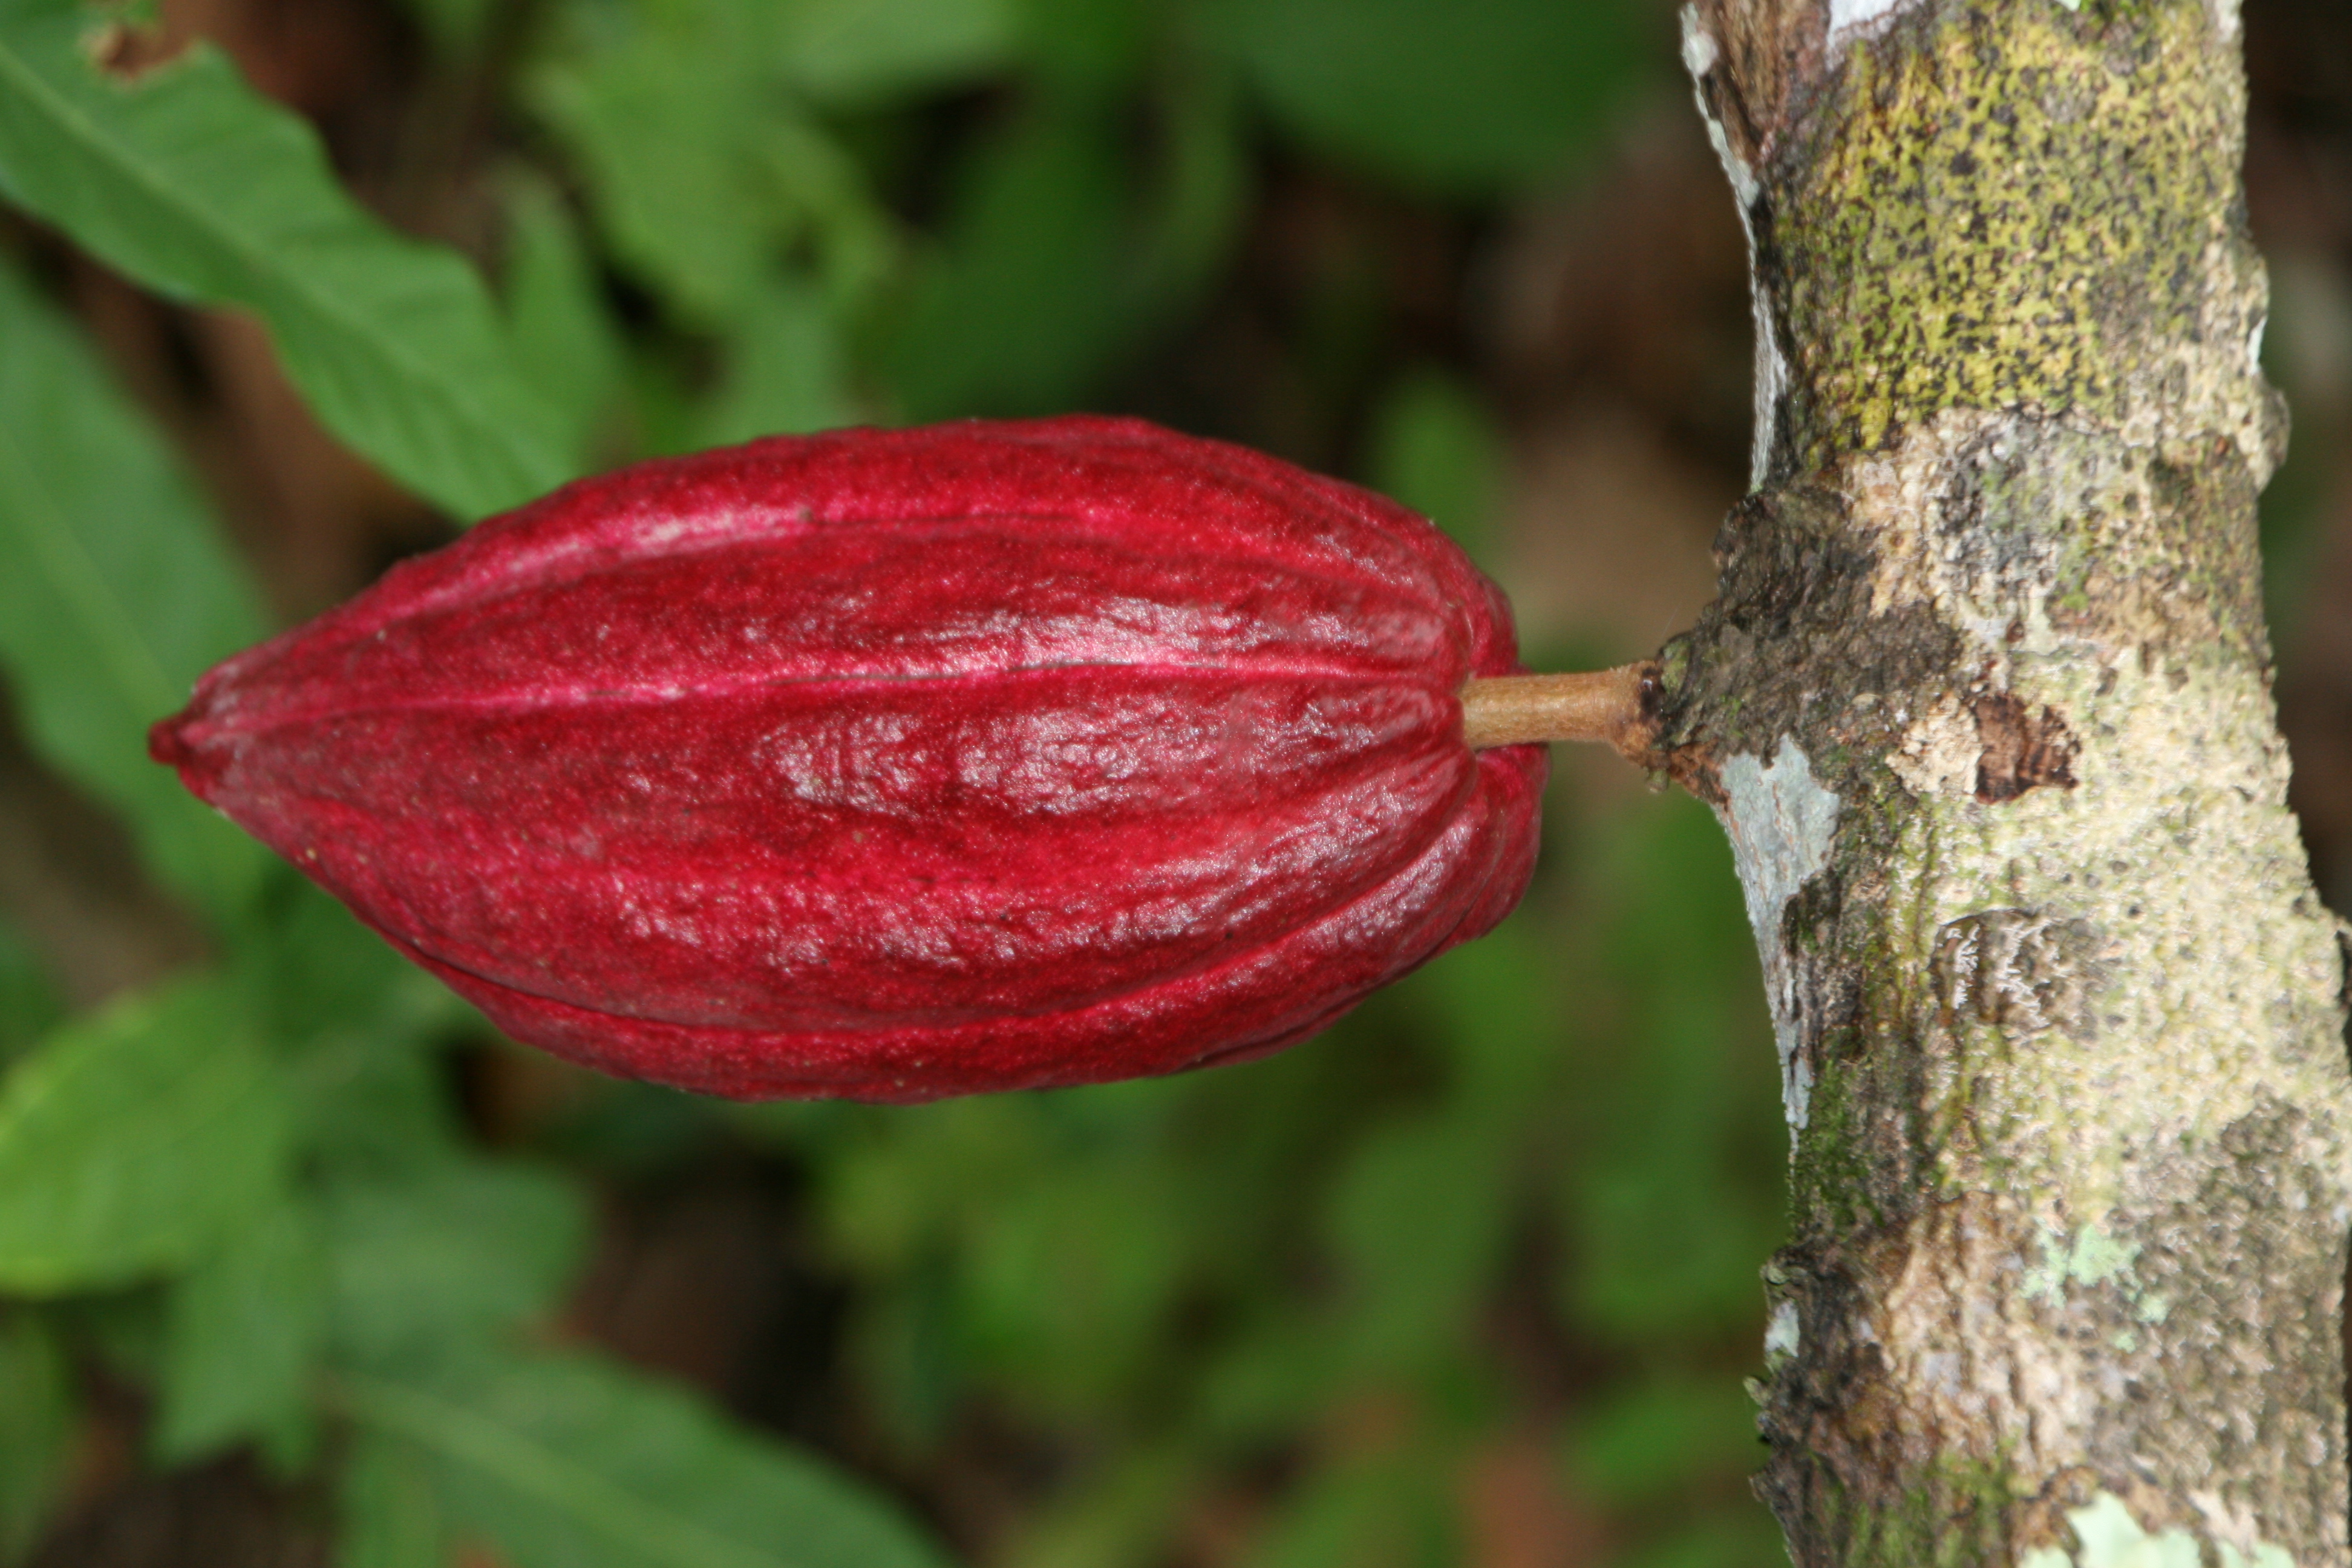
{"x":1610,"y":705}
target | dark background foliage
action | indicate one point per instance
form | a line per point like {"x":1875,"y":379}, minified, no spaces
{"x":299,"y":1263}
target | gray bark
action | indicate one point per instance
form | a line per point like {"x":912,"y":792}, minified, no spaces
{"x":1985,"y":708}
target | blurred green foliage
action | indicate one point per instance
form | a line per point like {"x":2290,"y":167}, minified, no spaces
{"x":1299,"y":1302}
{"x":1477,"y":96}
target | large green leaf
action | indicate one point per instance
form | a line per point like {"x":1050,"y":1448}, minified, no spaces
{"x":115,"y":594}
{"x":570,"y":1462}
{"x":375,"y":1109}
{"x":1062,"y":252}
{"x":1201,"y":194}
{"x":134,"y":1140}
{"x":1460,"y":95}
{"x":448,"y":1250}
{"x":189,"y":182}
{"x":241,"y":1331}
{"x":355,"y":1022}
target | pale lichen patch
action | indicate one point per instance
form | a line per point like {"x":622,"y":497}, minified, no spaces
{"x":1699,"y":49}
{"x":1939,"y":751}
{"x":2107,"y":1536}
{"x":1847,"y":15}
{"x":2093,"y":1257}
{"x":1782,"y":822}
{"x":2035,"y":537}
{"x":1701,"y":54}
{"x":2019,"y":971}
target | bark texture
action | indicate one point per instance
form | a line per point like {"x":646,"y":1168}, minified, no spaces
{"x":1985,"y":708}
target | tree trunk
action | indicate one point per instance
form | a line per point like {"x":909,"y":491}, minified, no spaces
{"x":1985,"y":708}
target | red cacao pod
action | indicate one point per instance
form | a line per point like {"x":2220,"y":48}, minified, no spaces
{"x":894,"y":765}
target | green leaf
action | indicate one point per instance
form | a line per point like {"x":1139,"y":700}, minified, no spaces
{"x":1201,"y":196}
{"x":36,"y":1418}
{"x":131,"y":1141}
{"x":1496,"y":1006}
{"x":859,"y":50}
{"x":565,"y":341}
{"x":1061,"y":255}
{"x":702,"y":163}
{"x":787,"y":374}
{"x":322,"y":980}
{"x":1088,"y":45}
{"x":357,"y":1023}
{"x":1030,"y":299}
{"x":1418,"y":1216}
{"x":1436,"y":449}
{"x":1071,"y":1282}
{"x":1274,"y":1374}
{"x":568,"y":1462}
{"x":1469,"y":96}
{"x":122,"y":1332}
{"x":241,"y":1331}
{"x":375,"y":1109}
{"x":116,"y":593}
{"x":388,"y":1514}
{"x":198,"y":187}
{"x":451,"y":1249}
{"x":664,"y":114}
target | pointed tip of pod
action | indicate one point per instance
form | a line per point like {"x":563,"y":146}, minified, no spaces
{"x":168,"y":744}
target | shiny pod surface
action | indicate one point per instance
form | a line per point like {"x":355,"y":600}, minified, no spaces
{"x":894,"y":764}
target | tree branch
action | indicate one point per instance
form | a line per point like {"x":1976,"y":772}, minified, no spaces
{"x":1984,"y":706}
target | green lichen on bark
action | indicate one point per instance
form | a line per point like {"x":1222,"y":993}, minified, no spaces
{"x":2002,"y":220}
{"x":1984,"y":706}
